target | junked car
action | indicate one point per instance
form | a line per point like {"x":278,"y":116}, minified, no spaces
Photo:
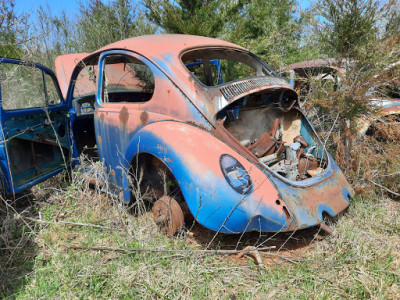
{"x":383,"y":97}
{"x":221,"y":123}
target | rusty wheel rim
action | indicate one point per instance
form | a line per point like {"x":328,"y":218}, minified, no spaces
{"x":168,"y":215}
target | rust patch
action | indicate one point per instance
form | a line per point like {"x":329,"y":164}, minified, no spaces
{"x":94,"y":182}
{"x":169,"y":159}
{"x":112,"y":172}
{"x":264,"y":145}
{"x":197,"y":125}
{"x":124,"y":115}
{"x":225,"y":136}
{"x":144,"y":117}
{"x":168,"y":215}
{"x":99,"y":139}
{"x":102,"y":116}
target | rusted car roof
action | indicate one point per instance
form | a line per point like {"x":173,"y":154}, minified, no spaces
{"x":323,"y":65}
{"x":162,"y":49}
{"x":161,"y":45}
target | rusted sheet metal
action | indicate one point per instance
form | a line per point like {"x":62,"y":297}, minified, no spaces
{"x":182,"y":130}
{"x":193,"y":156}
{"x":306,"y":68}
{"x":65,"y":65}
{"x":235,"y":90}
{"x":165,"y":51}
{"x":387,"y":107}
{"x":310,"y":203}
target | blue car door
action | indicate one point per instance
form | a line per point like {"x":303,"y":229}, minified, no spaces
{"x":34,"y":125}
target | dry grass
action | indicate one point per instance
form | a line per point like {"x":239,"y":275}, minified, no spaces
{"x":46,"y":259}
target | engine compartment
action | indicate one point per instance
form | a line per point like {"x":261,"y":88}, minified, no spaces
{"x":275,"y":130}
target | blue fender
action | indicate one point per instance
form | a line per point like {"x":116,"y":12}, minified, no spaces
{"x":193,"y":156}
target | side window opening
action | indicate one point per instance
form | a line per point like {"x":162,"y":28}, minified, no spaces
{"x":26,"y":86}
{"x":126,"y":79}
{"x":51,"y":91}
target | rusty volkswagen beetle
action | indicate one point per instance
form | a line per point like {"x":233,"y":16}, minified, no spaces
{"x":227,"y":130}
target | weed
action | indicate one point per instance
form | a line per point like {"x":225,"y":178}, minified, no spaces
{"x":75,"y":252}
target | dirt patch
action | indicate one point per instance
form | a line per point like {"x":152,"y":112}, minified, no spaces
{"x":284,"y":247}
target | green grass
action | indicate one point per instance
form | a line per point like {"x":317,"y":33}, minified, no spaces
{"x":363,"y":262}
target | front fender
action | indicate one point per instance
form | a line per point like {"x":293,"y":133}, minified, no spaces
{"x":193,"y":156}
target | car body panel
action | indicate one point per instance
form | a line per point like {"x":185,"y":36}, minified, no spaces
{"x":385,"y":107}
{"x":193,"y":157}
{"x":34,"y":141}
{"x":65,"y":65}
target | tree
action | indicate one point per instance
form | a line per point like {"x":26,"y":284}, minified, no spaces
{"x":350,"y":32}
{"x":355,"y":32}
{"x":95,"y":25}
{"x":197,"y":17}
{"x":345,"y":27}
{"x":272,"y":29}
{"x":10,"y":25}
{"x":269,"y":28}
{"x":392,"y":26}
{"x":100,"y":24}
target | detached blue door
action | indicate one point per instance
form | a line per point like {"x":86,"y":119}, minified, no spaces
{"x":34,"y":125}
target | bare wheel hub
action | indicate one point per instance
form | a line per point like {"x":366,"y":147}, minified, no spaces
{"x":168,"y":215}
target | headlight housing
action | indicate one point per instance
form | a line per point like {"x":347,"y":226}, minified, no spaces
{"x":236,"y":175}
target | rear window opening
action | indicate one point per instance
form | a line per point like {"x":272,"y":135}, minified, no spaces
{"x":277,"y":133}
{"x":214,"y":67}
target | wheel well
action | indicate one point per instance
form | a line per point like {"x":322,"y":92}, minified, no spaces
{"x":149,"y":172}
{"x":151,"y":178}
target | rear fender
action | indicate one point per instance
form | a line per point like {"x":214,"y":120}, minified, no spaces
{"x":193,"y":156}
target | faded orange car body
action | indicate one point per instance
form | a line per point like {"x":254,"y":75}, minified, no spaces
{"x":184,"y":126}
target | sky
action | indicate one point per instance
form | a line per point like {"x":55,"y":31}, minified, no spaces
{"x":70,"y":6}
{"x":56,"y":6}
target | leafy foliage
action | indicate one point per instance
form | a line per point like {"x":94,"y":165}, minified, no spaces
{"x":271,"y":29}
{"x":392,"y":26}
{"x":100,"y":24}
{"x":96,"y":25}
{"x":345,"y":27}
{"x":10,"y":29}
{"x":206,"y":18}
